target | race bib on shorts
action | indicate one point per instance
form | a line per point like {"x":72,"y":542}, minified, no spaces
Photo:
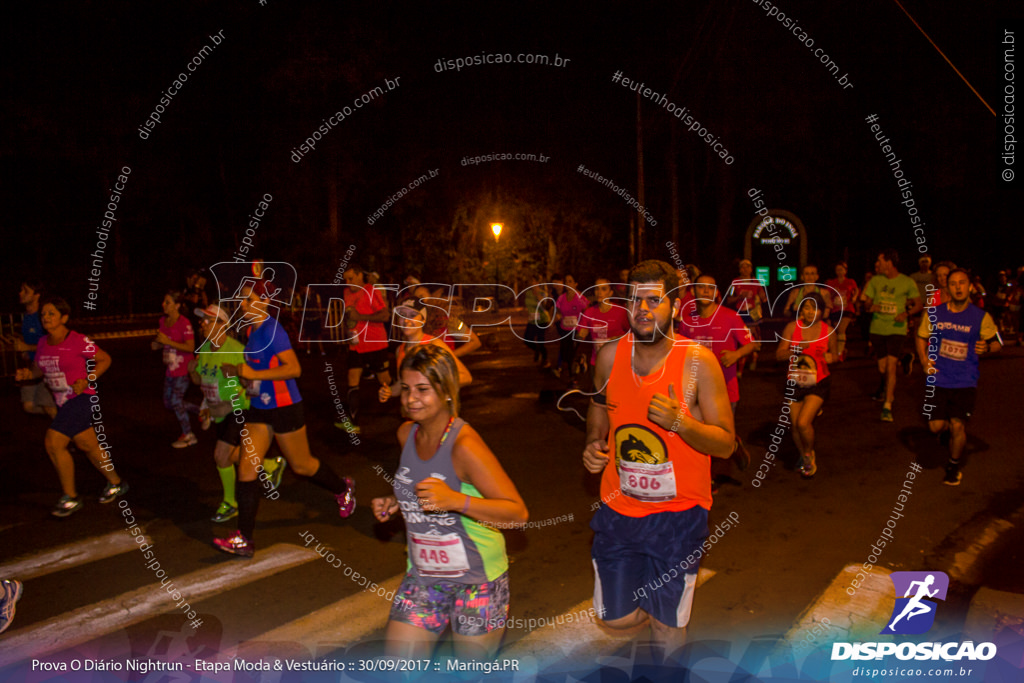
{"x":647,"y":483}
{"x":439,"y":555}
{"x":569,"y":322}
{"x":953,"y":350}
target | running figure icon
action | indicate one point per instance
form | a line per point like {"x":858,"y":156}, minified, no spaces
{"x":914,"y":606}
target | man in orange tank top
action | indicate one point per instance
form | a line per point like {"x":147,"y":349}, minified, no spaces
{"x":662,"y":411}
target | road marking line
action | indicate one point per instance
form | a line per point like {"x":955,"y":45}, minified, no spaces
{"x":87,"y":623}
{"x":337,"y":625}
{"x":557,"y":641}
{"x":71,"y":555}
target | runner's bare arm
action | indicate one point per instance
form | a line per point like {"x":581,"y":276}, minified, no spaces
{"x":31,"y":372}
{"x":288,"y":369}
{"x":782,"y":352}
{"x":714,"y":433}
{"x":477,"y":465}
{"x":470,"y":346}
{"x":595,"y":455}
{"x":465,"y":377}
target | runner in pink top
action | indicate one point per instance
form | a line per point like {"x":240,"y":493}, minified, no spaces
{"x":568,"y":309}
{"x":176,"y":339}
{"x":845,"y":310}
{"x":70,"y":363}
{"x":603,"y":322}
{"x":721,"y":330}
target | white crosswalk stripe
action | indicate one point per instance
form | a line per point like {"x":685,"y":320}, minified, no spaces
{"x":337,"y":625}
{"x":71,"y":555}
{"x":92,"y":621}
{"x":558,"y":638}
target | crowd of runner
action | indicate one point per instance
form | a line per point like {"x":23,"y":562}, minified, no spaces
{"x":659,"y":351}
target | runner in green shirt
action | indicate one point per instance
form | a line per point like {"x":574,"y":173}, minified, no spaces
{"x":226,"y":400}
{"x":887,"y":296}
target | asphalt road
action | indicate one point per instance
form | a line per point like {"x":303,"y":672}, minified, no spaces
{"x":792,"y":539}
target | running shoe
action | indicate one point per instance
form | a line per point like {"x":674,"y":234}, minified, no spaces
{"x":347,"y":425}
{"x":205,"y":419}
{"x":10,"y":593}
{"x":879,"y":395}
{"x":66,"y":506}
{"x":886,"y":415}
{"x":112,"y":491}
{"x":808,"y":467}
{"x":185,"y":440}
{"x":275,"y":478}
{"x":907,"y":363}
{"x":347,"y":500}
{"x":225,"y":512}
{"x":953,"y":474}
{"x":741,"y":456}
{"x":236,"y":544}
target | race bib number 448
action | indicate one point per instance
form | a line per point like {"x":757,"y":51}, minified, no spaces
{"x":441,"y":556}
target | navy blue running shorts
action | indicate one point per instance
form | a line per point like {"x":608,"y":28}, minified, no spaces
{"x":647,"y":562}
{"x":283,"y":419}
{"x":74,"y":417}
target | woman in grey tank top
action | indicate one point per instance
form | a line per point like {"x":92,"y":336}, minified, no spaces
{"x":454,"y":496}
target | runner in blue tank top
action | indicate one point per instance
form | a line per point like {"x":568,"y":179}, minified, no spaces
{"x":949,"y":341}
{"x":452,"y":492}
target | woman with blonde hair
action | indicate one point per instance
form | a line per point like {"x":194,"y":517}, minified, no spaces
{"x":452,"y":492}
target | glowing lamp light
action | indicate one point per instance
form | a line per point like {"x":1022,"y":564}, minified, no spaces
{"x":496,"y":229}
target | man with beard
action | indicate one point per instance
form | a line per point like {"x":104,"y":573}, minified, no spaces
{"x":722,"y":331}
{"x":662,"y":410}
{"x":951,"y":338}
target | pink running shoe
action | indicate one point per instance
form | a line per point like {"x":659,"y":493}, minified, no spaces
{"x":237,"y":544}
{"x":347,"y":500}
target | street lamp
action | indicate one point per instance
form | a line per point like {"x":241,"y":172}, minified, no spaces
{"x":496,"y":229}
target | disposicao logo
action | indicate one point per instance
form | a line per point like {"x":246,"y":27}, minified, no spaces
{"x":914,"y":613}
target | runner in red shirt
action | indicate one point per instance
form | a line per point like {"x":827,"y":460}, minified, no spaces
{"x":845,"y":310}
{"x":366,"y":311}
{"x":808,"y":346}
{"x":721,"y":330}
{"x":602,"y":322}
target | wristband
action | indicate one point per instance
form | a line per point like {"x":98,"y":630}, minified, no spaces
{"x":465,"y":508}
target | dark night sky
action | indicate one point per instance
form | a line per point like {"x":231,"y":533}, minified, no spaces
{"x":81,"y":77}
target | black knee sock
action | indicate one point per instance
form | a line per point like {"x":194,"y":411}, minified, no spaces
{"x":353,"y":402}
{"x":247,"y":493}
{"x":325,"y":478}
